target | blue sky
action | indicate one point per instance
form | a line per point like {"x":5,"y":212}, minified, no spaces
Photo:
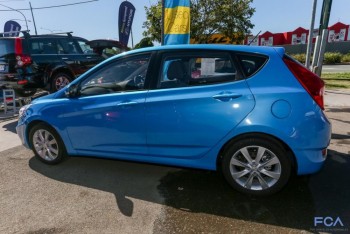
{"x":99,"y":19}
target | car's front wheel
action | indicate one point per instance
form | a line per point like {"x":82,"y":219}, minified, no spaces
{"x":47,"y":144}
{"x":256,"y":166}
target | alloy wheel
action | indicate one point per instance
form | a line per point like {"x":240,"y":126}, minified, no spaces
{"x":45,"y":145}
{"x":61,"y":82}
{"x":255,"y":168}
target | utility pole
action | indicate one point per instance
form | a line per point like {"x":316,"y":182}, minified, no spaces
{"x":311,"y":33}
{"x":321,"y":43}
{"x":31,"y":9}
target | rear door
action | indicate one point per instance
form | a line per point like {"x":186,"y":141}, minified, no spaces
{"x":197,"y":99}
{"x":44,"y":54}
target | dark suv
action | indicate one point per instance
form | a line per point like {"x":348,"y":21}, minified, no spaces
{"x":43,"y":61}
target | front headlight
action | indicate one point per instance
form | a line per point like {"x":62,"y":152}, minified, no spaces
{"x":23,"y":110}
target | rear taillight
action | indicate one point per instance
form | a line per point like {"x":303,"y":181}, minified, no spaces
{"x":22,"y":60}
{"x":313,"y":84}
{"x":22,"y":82}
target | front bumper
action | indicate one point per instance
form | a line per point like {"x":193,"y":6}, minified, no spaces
{"x":21,"y":132}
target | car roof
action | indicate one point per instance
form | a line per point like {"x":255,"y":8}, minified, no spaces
{"x":264,"y":50}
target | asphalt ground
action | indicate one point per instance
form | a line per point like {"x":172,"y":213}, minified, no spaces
{"x":88,"y":195}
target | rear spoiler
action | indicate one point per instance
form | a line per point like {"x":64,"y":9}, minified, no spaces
{"x":280,"y":51}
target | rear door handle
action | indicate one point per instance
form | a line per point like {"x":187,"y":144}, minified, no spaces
{"x":127,"y":103}
{"x":226,"y":96}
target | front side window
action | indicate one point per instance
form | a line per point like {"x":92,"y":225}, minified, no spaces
{"x":67,"y":46}
{"x":85,"y":47}
{"x":121,"y":76}
{"x":192,"y":70}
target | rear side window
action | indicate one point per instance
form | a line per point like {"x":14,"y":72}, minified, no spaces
{"x":251,"y":63}
{"x":43,"y":46}
{"x":193,"y":69}
{"x":7,"y":47}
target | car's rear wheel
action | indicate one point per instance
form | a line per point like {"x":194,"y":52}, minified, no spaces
{"x":256,"y":166}
{"x":59,"y":81}
{"x":47,"y":144}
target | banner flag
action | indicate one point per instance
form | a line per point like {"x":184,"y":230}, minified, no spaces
{"x":176,"y":22}
{"x":11,"y":29}
{"x":126,"y":17}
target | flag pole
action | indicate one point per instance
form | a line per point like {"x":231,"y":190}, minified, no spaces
{"x":162,"y":29}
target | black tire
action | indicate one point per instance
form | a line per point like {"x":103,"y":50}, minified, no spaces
{"x":267,"y":172}
{"x":25,"y":92}
{"x":59,"y":80}
{"x":46,"y":144}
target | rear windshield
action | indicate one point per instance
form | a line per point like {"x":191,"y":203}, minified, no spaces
{"x":251,"y":64}
{"x":7,"y":46}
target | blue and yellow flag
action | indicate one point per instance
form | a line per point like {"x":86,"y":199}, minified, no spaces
{"x":176,"y":22}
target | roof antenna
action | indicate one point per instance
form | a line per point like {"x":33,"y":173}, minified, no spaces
{"x":254,"y":38}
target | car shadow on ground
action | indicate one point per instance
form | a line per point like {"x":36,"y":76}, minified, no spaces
{"x":10,"y":127}
{"x":187,"y":192}
{"x":338,"y":109}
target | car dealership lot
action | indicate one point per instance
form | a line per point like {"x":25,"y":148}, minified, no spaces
{"x":84,"y":195}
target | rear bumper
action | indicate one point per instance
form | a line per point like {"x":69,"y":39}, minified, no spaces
{"x":310,"y":161}
{"x":8,"y":79}
{"x":11,"y":81}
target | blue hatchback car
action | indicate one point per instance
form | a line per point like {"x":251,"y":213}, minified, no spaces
{"x":252,"y":112}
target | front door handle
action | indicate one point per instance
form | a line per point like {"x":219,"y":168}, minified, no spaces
{"x":226,"y":96}
{"x":127,"y":103}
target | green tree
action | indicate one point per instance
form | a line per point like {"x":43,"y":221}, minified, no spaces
{"x":230,"y":18}
{"x":145,"y":42}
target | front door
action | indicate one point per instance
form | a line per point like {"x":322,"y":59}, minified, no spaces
{"x":107,"y":117}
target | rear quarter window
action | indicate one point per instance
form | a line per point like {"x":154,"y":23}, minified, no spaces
{"x":251,"y":64}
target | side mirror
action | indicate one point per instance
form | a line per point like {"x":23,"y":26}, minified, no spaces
{"x":72,"y":91}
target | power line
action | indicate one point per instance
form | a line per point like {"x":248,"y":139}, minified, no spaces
{"x":56,"y":6}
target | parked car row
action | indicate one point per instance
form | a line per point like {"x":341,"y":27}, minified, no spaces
{"x":47,"y":62}
{"x":252,"y":112}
